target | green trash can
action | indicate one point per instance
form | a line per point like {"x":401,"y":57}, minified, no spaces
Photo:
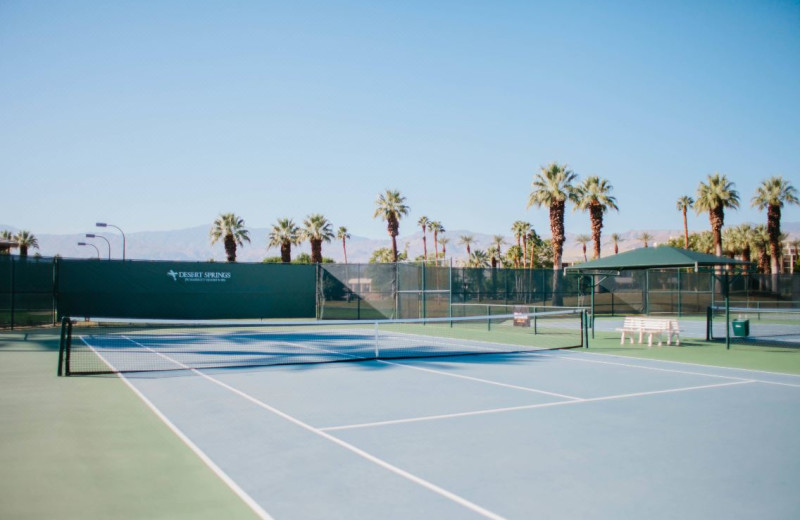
{"x":741,"y":328}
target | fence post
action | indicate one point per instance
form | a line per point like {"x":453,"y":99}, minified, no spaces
{"x":13,"y":289}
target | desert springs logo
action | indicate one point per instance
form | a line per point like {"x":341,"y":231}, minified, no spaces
{"x":199,"y":276}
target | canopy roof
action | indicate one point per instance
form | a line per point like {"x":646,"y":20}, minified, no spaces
{"x":656,"y":257}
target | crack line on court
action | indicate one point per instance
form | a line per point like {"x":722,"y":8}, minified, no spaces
{"x":527,"y":407}
{"x":346,"y":445}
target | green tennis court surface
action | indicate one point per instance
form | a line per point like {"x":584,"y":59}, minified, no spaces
{"x":567,"y":434}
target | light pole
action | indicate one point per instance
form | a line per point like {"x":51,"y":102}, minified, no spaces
{"x":105,"y":224}
{"x":91,"y":245}
{"x":92,"y":235}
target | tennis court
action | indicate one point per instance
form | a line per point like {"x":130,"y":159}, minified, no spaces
{"x":551,"y":434}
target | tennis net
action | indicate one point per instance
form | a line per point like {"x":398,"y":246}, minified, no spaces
{"x":109,"y":345}
{"x":756,"y":326}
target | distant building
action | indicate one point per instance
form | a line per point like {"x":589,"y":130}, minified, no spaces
{"x":6,"y":246}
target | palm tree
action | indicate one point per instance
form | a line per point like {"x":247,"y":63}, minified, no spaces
{"x":435,"y":227}
{"x":25,"y":239}
{"x":645,"y":237}
{"x":344,"y":236}
{"x":594,"y":195}
{"x":514,"y":255}
{"x":316,"y":229}
{"x":478,"y":258}
{"x":7,"y":236}
{"x":230,"y":228}
{"x":498,"y":241}
{"x":761,"y":244}
{"x":684,"y":204}
{"x":284,"y":234}
{"x":520,"y":229}
{"x":616,"y":239}
{"x":743,"y":240}
{"x":583,"y":240}
{"x":494,"y":255}
{"x":390,"y":206}
{"x":423,"y":223}
{"x":714,"y":197}
{"x":704,"y":242}
{"x":466,"y":240}
{"x":444,"y":241}
{"x":553,"y":187}
{"x":771,"y":195}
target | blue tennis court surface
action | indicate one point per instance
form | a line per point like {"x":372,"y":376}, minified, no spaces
{"x":565,"y":434}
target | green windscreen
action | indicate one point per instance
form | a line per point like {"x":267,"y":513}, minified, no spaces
{"x":185,"y":290}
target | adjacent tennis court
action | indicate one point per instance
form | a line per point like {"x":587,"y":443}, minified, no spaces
{"x":552,"y":434}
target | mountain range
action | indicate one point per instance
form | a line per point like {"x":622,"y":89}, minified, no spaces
{"x":193,"y":244}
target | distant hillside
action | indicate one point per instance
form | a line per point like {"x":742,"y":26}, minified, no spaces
{"x":193,"y":244}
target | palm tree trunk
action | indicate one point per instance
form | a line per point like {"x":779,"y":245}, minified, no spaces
{"x":286,"y":252}
{"x":424,"y":245}
{"x":316,"y":251}
{"x":716,"y":217}
{"x":557,"y":229}
{"x":685,"y":231}
{"x":774,"y":233}
{"x":435,"y":247}
{"x":596,"y":216}
{"x":344,"y":249}
{"x":230,"y":248}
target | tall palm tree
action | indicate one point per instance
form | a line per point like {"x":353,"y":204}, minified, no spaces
{"x":520,"y":228}
{"x":684,"y":204}
{"x":435,"y":227}
{"x":583,"y":240}
{"x":771,"y":195}
{"x":25,"y":240}
{"x":230,"y":228}
{"x":316,"y":229}
{"x":390,"y":206}
{"x":714,"y":198}
{"x":616,"y":239}
{"x":284,"y":234}
{"x":344,"y":236}
{"x":498,"y":241}
{"x":645,"y":237}
{"x":478,"y":258}
{"x":466,"y":240}
{"x":423,"y":223}
{"x":443,"y":240}
{"x":552,"y":188}
{"x":594,"y":196}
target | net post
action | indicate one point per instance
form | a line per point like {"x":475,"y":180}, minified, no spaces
{"x":377,"y":351}
{"x":709,"y":322}
{"x":68,"y":347}
{"x":489,"y":318}
{"x":62,"y":346}
{"x":584,"y":329}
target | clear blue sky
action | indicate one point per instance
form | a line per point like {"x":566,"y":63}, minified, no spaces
{"x":161,"y":115}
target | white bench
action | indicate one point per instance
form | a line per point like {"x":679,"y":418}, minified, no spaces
{"x":650,"y":327}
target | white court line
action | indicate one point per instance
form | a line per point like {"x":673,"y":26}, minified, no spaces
{"x":528,"y":407}
{"x":361,"y":453}
{"x":247,"y":499}
{"x":574,"y":356}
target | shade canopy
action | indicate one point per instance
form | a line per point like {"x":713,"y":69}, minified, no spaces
{"x":654,"y":258}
